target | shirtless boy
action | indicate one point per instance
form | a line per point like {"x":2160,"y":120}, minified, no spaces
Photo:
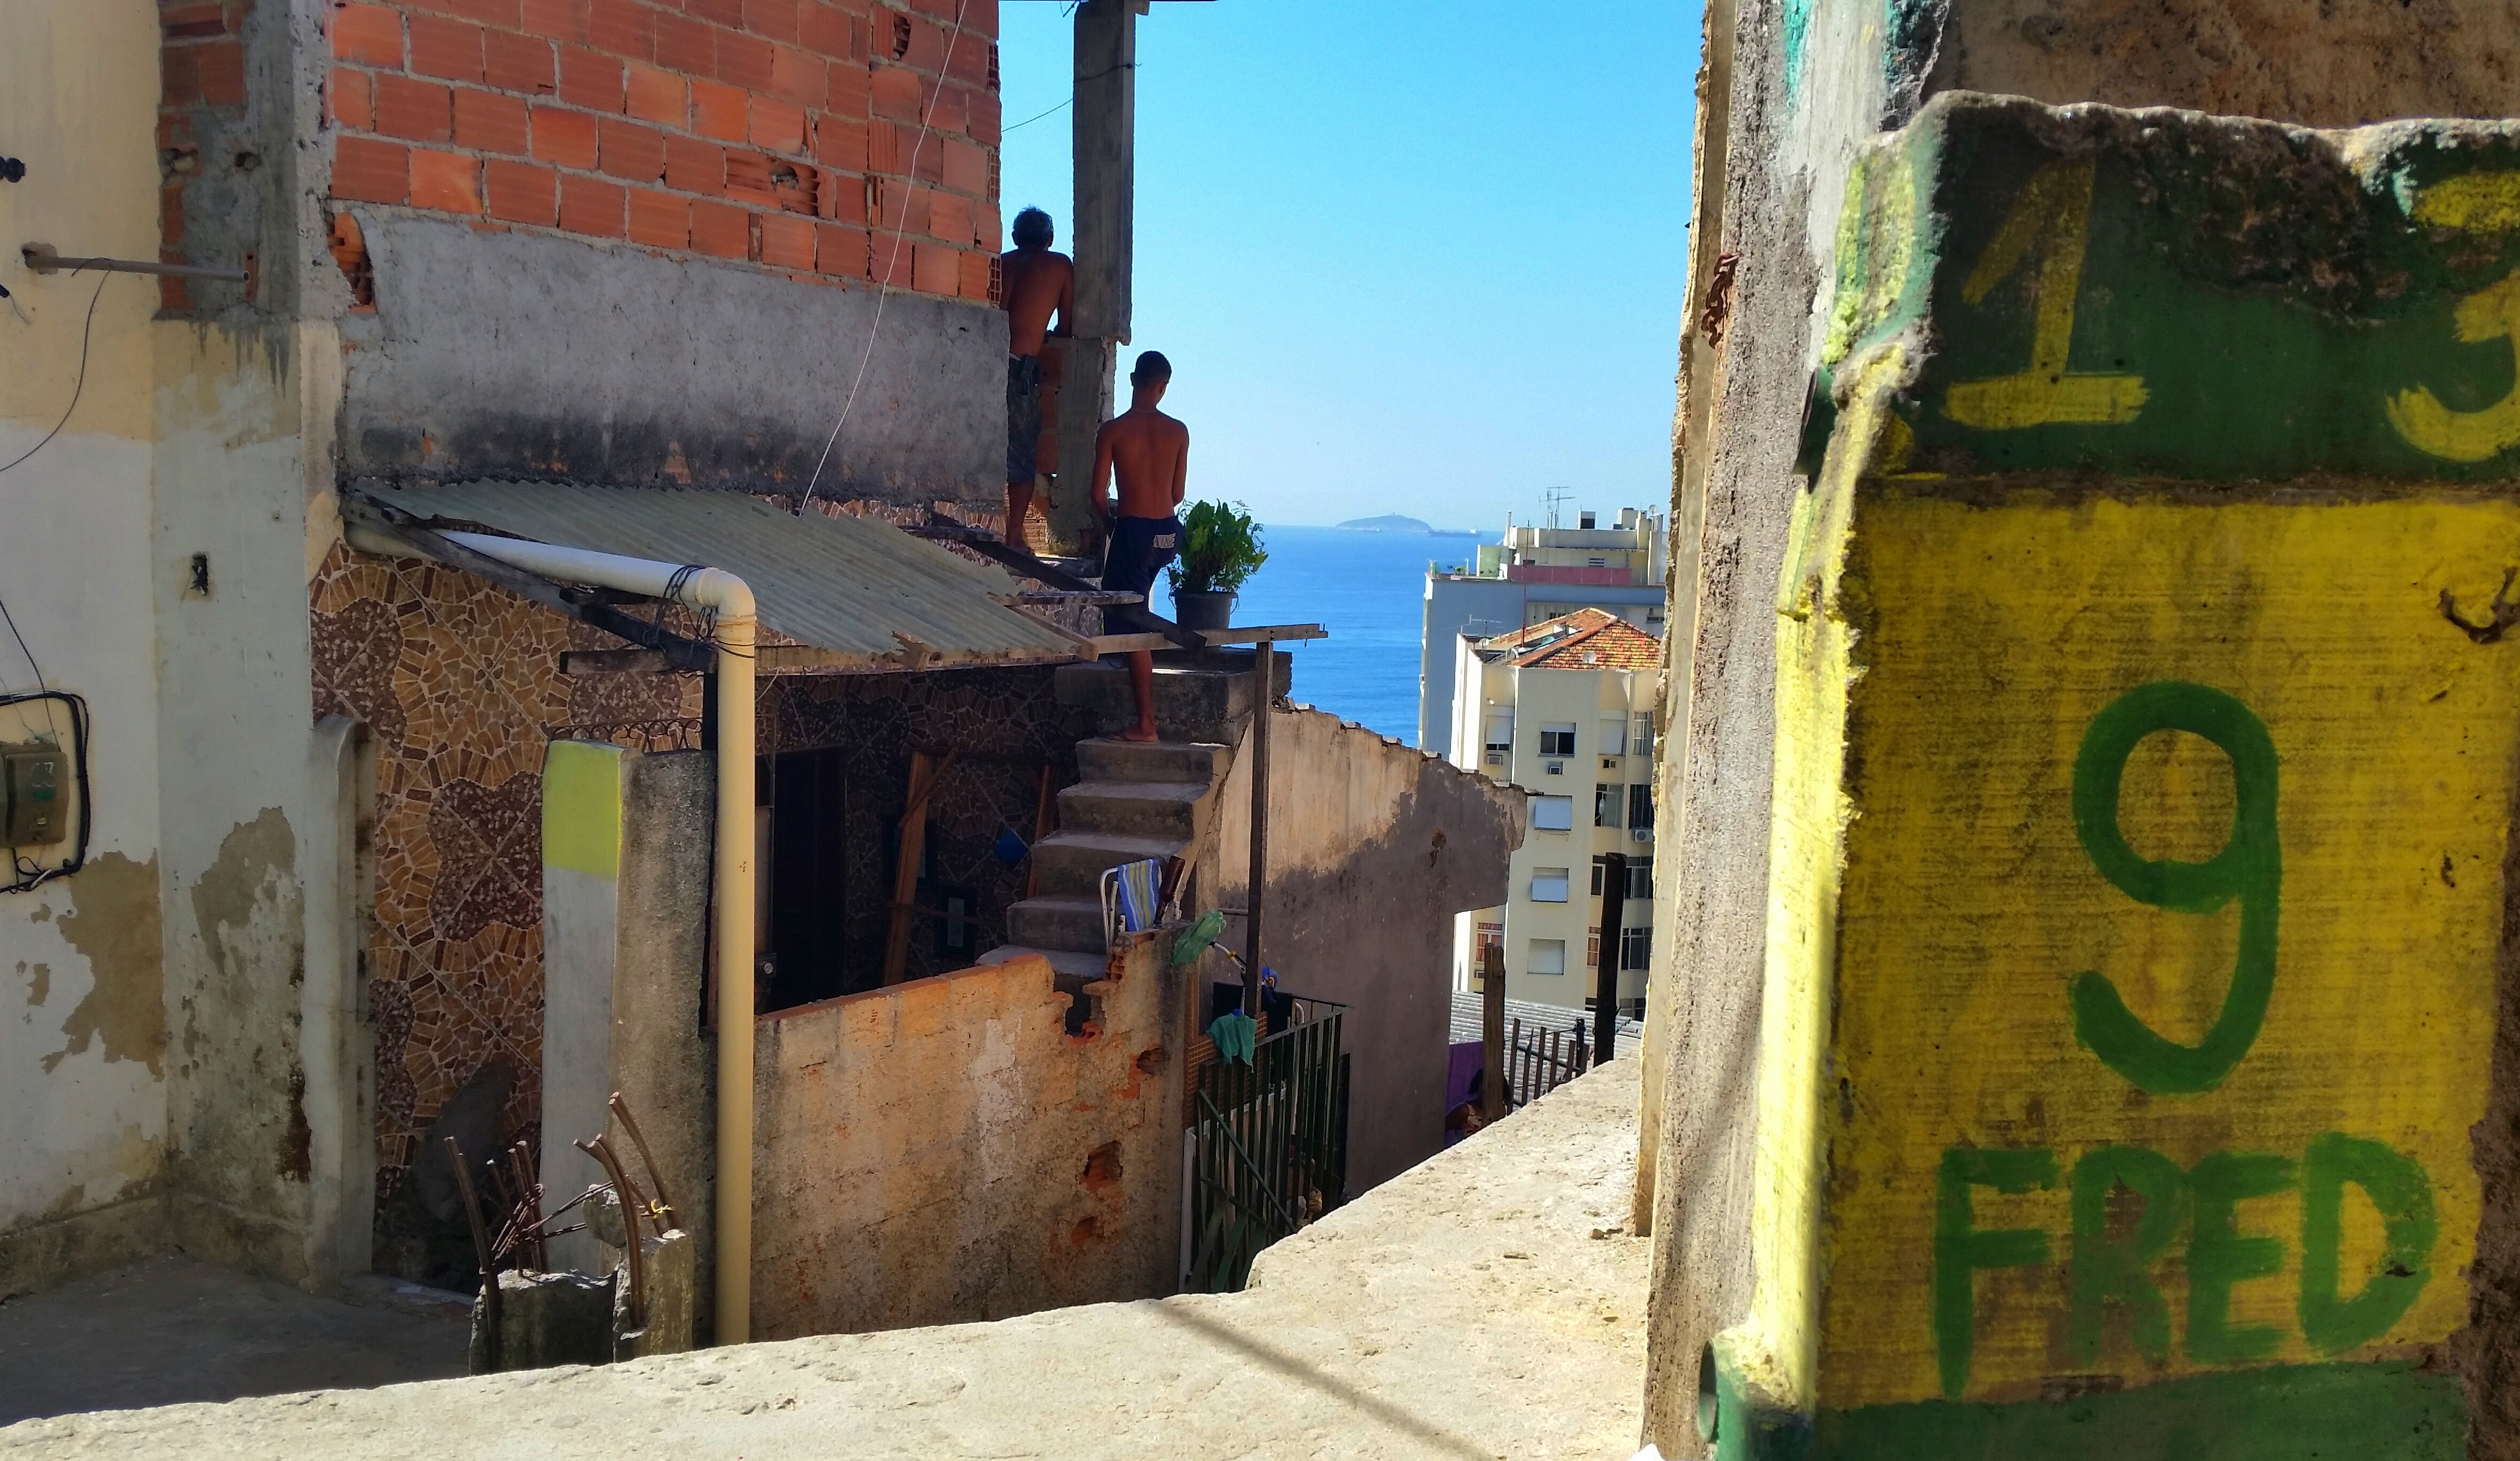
{"x":1149,"y":452}
{"x":1033,"y":282}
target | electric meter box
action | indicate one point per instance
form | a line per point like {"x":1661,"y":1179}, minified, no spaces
{"x":33,"y":812}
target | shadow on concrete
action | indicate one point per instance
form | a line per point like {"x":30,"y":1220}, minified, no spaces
{"x":172,"y":1331}
{"x":1308,"y":1373}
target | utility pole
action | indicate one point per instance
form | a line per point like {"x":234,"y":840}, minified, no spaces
{"x":1104,"y":236}
{"x":1492,"y":1104}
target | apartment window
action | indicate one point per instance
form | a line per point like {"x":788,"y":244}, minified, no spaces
{"x":1636,"y":947}
{"x":1553,"y":813}
{"x":1548,"y":885}
{"x":1501,"y":732}
{"x":1558,"y":740}
{"x":1599,"y":863}
{"x":1596,"y":563}
{"x":1548,"y":956}
{"x":1641,"y":806}
{"x":1614,"y":736}
{"x":1641,"y":880}
{"x":1608,"y":798}
{"x":1592,"y":948}
{"x":1641,"y":739}
{"x":1491,"y":940}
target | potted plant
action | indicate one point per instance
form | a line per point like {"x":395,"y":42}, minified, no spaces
{"x":1220,"y":549}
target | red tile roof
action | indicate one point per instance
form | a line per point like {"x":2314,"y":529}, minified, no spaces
{"x":1587,"y":639}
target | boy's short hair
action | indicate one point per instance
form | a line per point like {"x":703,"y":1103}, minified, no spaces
{"x":1033,"y":229}
{"x":1150,"y":368}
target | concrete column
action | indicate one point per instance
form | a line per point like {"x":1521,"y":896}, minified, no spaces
{"x":626,"y":844}
{"x":337,"y":1040}
{"x":1104,"y":233}
{"x":2145,"y":749}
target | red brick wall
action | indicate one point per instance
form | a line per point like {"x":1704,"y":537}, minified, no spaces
{"x":201,"y":109}
{"x":782,"y":132}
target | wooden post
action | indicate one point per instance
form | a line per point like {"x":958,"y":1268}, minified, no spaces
{"x":1605,"y":979}
{"x":1103,"y":235}
{"x":1492,"y":1034}
{"x":905,"y":869}
{"x":1265,"y":659}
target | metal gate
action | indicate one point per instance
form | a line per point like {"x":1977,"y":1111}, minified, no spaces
{"x":1268,"y":1148}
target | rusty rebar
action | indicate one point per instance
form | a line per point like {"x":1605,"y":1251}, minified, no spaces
{"x":630,"y":1203}
{"x":647,"y":1158}
{"x":481,"y":1248}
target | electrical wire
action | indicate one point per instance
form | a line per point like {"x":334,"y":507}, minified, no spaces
{"x":79,"y":385}
{"x":883,"y":290}
{"x":1036,"y":116}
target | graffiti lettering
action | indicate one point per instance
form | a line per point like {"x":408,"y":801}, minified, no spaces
{"x":2249,"y":868}
{"x":2103,"y":1270}
{"x":2053,"y":219}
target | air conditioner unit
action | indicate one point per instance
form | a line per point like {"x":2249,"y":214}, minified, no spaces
{"x":1496,"y":757}
{"x":1641,"y":834}
{"x":1556,"y":768}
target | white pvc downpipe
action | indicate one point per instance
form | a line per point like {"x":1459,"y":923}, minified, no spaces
{"x":730,"y":598}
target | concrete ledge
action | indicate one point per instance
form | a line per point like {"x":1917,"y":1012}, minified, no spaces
{"x":1464,"y":1309}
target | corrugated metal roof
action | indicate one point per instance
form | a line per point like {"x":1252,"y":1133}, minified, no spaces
{"x":1467,"y":1018}
{"x":843,"y":585}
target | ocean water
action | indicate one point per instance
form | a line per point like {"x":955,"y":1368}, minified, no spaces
{"x":1369,"y":590}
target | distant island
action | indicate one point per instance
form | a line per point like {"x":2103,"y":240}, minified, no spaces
{"x":1408,"y":527}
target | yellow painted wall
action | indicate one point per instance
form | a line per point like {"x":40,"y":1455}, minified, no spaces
{"x":1988,"y":636}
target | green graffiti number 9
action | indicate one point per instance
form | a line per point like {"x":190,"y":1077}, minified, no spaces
{"x":2249,"y":868}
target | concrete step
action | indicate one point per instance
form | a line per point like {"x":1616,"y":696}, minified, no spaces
{"x":1105,"y":759}
{"x":1138,"y":808}
{"x":1061,"y":921}
{"x":1203,"y":698}
{"x":1075,"y":862}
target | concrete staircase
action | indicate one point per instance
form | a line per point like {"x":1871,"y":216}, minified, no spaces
{"x":1133,"y":802}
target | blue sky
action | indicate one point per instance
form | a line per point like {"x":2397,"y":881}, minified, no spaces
{"x":1405,"y":255}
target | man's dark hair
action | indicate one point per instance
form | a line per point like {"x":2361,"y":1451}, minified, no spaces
{"x":1033,"y":229}
{"x":1150,"y":368}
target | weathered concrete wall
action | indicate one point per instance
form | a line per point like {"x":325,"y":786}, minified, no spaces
{"x":944,"y":1150}
{"x":1791,"y":89}
{"x":1373,"y":848}
{"x":2142,"y":808}
{"x":83,"y":1011}
{"x":529,"y":355}
{"x":627,"y":860}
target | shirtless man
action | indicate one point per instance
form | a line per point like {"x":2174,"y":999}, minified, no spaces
{"x":1033,"y":282}
{"x":1149,"y":452}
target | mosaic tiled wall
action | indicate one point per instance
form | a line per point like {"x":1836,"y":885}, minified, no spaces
{"x":460,"y":684}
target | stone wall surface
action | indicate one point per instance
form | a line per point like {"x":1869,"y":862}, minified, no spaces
{"x":2128,"y":1077}
{"x":945,"y":1150}
{"x":1485,"y":1303}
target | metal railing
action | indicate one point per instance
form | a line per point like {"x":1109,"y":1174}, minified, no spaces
{"x":1268,"y":1148}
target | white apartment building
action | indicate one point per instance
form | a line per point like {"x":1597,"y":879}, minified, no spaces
{"x":1565,"y":709}
{"x":1536,"y":574}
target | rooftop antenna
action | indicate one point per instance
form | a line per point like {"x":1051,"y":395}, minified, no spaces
{"x":1556,"y":497}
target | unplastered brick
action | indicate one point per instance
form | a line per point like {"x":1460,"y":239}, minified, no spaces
{"x":840,"y":251}
{"x":629,"y":151}
{"x":449,"y":182}
{"x":743,"y":61}
{"x":657,"y":94}
{"x":369,"y":33}
{"x":721,"y":229}
{"x":518,"y":62}
{"x":840,"y":142}
{"x":660,"y":220}
{"x":563,"y":136}
{"x":441,"y":47}
{"x":419,"y":111}
{"x":720,"y":111}
{"x":490,"y":122}
{"x":622,"y":27}
{"x":777,"y":125}
{"x":591,"y":206}
{"x":687,"y":45}
{"x":349,"y":98}
{"x":554,"y":20}
{"x":786,"y":241}
{"x":591,"y":79}
{"x":776,"y":18}
{"x":371,"y":170}
{"x":694,"y":167}
{"x":521,"y":192}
